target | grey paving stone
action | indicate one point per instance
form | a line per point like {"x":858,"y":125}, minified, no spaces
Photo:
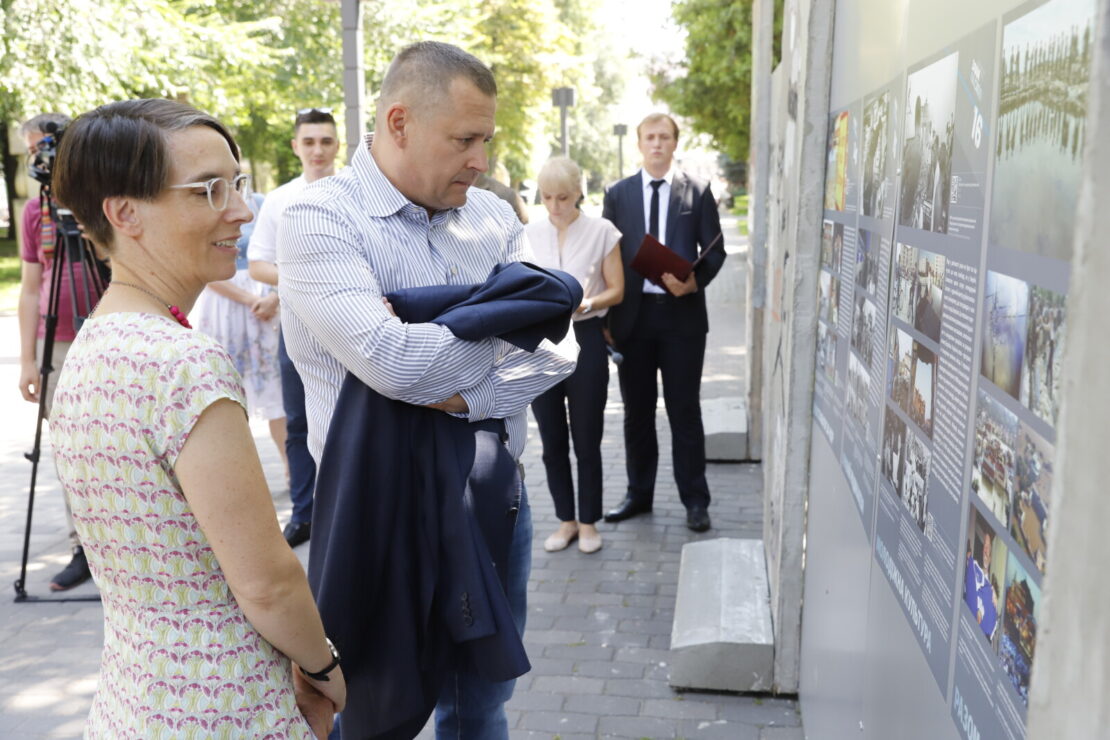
{"x":559,"y":722}
{"x":643,"y":655}
{"x":552,"y":637}
{"x":756,"y":709}
{"x":536,"y":700}
{"x":679,"y":708}
{"x":639,"y":727}
{"x":603,"y":705}
{"x":608,"y":669}
{"x":781,"y":733}
{"x":626,"y":639}
{"x":568,"y":684}
{"x":638,"y":687}
{"x":578,"y":651}
{"x":721,"y":729}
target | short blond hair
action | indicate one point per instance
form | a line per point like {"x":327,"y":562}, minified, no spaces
{"x":560,"y":173}
{"x":655,"y":118}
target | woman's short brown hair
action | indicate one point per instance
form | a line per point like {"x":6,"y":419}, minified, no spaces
{"x":120,"y":149}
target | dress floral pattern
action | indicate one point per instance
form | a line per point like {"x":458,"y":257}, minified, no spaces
{"x":180,"y":659}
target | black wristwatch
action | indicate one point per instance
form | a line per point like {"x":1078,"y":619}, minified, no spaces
{"x":323,"y":675}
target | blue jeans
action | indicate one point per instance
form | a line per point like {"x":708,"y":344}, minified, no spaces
{"x":470,"y":707}
{"x":302,"y":468}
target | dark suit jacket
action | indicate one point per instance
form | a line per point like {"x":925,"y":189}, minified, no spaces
{"x":692,"y":225}
{"x":414,"y":515}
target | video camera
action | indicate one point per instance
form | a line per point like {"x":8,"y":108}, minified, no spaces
{"x":42,"y":159}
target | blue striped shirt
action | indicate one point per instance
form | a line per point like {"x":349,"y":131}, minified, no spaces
{"x":348,"y":239}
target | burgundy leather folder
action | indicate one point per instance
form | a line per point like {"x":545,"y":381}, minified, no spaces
{"x":653,"y":259}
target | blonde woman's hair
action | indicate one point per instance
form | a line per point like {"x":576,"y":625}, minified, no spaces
{"x":560,"y":174}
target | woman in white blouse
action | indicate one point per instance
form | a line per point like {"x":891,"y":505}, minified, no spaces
{"x":589,"y":249}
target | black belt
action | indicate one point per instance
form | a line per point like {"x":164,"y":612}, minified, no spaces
{"x":659,"y":298}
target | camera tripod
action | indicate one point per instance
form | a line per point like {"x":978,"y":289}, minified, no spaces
{"x":71,"y":250}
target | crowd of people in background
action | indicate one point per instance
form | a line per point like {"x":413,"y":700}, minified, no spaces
{"x":171,"y":512}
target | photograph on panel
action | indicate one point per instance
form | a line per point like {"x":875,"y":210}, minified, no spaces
{"x":1042,"y":110}
{"x":832,"y":244}
{"x":859,"y":391}
{"x":1019,"y":626}
{"x":876,"y":125}
{"x":836,"y":164}
{"x":893,"y":450}
{"x":992,"y":467}
{"x":924,"y":388}
{"x":865,"y":321}
{"x":867,"y":260}
{"x":828,"y":297}
{"x":914,"y":477}
{"x":900,"y":375}
{"x":927,"y":149}
{"x":1033,"y":473}
{"x":826,"y":350}
{"x":984,"y":575}
{"x":919,"y":289}
{"x":913,"y":378}
{"x":1044,"y":350}
{"x":1005,"y":320}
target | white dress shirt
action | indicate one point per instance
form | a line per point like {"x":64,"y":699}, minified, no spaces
{"x":349,"y":239}
{"x":263,"y":244}
{"x":664,"y":202}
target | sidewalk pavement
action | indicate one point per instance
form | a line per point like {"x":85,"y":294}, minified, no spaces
{"x":598,"y":625}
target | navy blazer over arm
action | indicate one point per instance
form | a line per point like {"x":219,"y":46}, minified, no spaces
{"x":414,"y":514}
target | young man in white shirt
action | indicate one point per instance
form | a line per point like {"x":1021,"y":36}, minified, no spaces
{"x":316,"y":144}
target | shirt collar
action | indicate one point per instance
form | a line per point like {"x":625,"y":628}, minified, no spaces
{"x":387,"y":200}
{"x":646,"y":178}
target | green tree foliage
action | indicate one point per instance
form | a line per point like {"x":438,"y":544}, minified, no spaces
{"x":712,"y":88}
{"x":253,"y":63}
{"x":597,"y":73}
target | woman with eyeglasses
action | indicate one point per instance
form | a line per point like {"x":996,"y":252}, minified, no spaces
{"x":205,"y":605}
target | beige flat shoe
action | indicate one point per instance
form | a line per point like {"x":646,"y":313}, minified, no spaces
{"x":589,"y":545}
{"x":557,"y":542}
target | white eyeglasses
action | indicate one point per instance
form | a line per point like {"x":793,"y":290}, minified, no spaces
{"x":219,"y":190}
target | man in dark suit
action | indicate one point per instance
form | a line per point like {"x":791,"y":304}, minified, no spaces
{"x":663,"y":330}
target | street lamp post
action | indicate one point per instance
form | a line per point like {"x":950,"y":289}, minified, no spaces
{"x":563,"y":98}
{"x":620,"y":130}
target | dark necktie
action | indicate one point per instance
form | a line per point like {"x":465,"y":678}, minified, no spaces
{"x":653,"y":217}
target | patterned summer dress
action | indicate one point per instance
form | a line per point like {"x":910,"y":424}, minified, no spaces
{"x":180,"y":659}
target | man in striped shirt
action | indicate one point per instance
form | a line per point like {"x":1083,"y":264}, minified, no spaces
{"x":404,"y":215}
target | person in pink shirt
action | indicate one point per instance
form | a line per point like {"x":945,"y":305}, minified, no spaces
{"x":37,"y":256}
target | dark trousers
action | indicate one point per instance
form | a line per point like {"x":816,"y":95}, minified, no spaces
{"x":302,"y":468}
{"x":584,"y":394}
{"x":657,"y":345}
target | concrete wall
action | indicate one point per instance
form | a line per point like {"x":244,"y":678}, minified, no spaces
{"x":797,"y":151}
{"x":1071,"y":678}
{"x":859,"y":665}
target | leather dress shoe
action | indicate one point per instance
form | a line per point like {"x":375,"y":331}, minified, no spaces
{"x":697,"y":519}
{"x":627,"y":509}
{"x":75,"y":573}
{"x":297,"y":533}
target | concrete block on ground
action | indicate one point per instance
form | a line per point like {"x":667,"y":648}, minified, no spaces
{"x":726,"y":428}
{"x":721,"y":637}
